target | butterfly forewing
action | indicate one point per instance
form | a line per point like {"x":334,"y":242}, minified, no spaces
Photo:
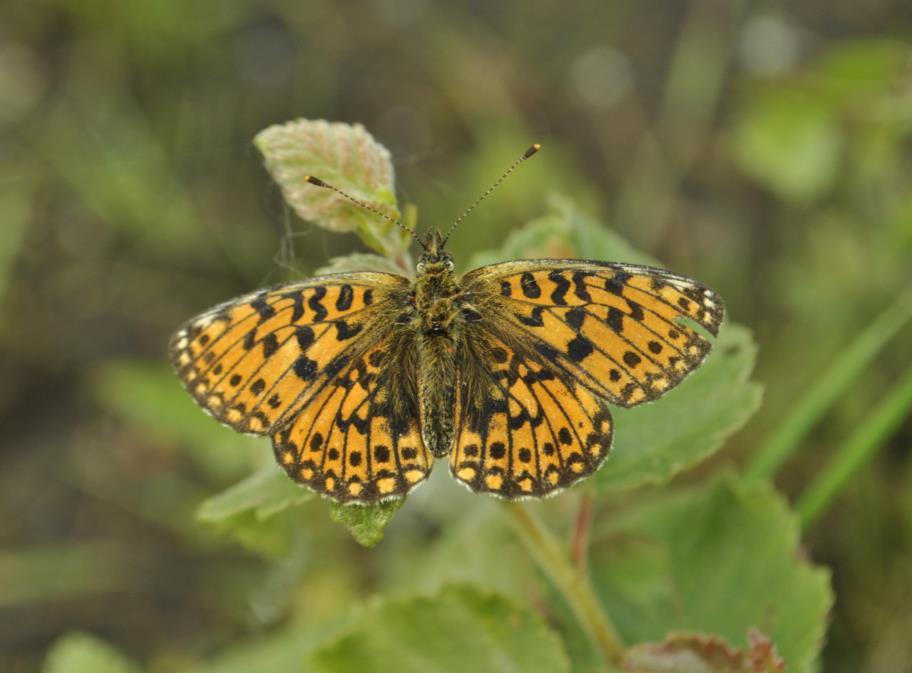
{"x":621,"y":330}
{"x":255,"y":361}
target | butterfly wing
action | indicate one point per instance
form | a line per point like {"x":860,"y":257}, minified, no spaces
{"x":317,"y":365}
{"x":524,"y":429}
{"x":548,"y":343}
{"x":623,"y":331}
{"x":254,"y":361}
{"x":358,"y":440}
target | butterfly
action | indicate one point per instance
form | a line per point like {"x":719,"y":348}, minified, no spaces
{"x":362,"y":380}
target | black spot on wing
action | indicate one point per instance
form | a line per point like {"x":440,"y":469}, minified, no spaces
{"x":579,"y":348}
{"x":533,"y":320}
{"x":261,"y":306}
{"x":562,"y":285}
{"x":616,"y":283}
{"x":575,"y":317}
{"x":345,"y":331}
{"x":579,"y":286}
{"x":305,"y":337}
{"x":529,"y":286}
{"x":344,"y":300}
{"x":305,"y":368}
{"x":615,"y":319}
{"x":270,"y":345}
{"x":316,"y":303}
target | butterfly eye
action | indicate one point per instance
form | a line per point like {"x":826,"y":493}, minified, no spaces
{"x":420,"y":267}
{"x":450,"y":265}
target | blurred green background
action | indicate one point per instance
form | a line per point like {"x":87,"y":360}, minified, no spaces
{"x":761,"y":147}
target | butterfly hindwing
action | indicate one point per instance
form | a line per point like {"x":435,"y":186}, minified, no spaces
{"x":523,"y":428}
{"x":254,"y":361}
{"x":358,"y":440}
{"x":621,"y":330}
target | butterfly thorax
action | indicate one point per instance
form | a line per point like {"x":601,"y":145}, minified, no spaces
{"x":437,"y":325}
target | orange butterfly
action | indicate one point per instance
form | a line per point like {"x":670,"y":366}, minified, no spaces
{"x":362,"y":379}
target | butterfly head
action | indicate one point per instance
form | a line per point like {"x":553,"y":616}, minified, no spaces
{"x":435,"y":260}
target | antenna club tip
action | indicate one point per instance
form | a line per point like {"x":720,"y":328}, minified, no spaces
{"x":532,"y":150}
{"x":314,"y":181}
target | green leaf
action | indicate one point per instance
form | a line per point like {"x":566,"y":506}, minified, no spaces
{"x":460,"y":629}
{"x":366,"y":523}
{"x":253,"y":511}
{"x":721,"y":558}
{"x":359,"y":262}
{"x":84,"y":653}
{"x":346,"y":157}
{"x":790,"y":142}
{"x":144,"y":394}
{"x":564,"y":231}
{"x":266,"y":492}
{"x":654,"y":442}
{"x":698,"y":653}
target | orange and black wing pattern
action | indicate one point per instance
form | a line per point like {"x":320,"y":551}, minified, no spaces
{"x":358,"y":440}
{"x":523,"y":428}
{"x":627,"y":333}
{"x":255,"y":361}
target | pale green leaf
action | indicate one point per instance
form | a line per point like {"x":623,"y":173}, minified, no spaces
{"x":458,"y":630}
{"x":653,"y":442}
{"x":84,"y":653}
{"x":366,"y":523}
{"x":267,"y":491}
{"x":346,"y":157}
{"x":359,"y":262}
{"x":721,"y":558}
{"x":564,"y":231}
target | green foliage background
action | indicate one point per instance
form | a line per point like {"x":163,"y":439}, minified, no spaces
{"x":762,"y":148}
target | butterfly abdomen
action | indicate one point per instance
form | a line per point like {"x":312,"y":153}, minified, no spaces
{"x":437,"y":391}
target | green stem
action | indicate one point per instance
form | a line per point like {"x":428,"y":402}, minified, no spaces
{"x":576,"y":589}
{"x":861,"y":445}
{"x":829,"y":387}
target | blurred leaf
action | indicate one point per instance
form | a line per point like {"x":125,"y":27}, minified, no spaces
{"x":458,"y":630}
{"x":697,"y":653}
{"x":654,"y":442}
{"x":266,"y":492}
{"x":790,"y":142}
{"x":346,"y":157}
{"x":359,"y":262}
{"x":720,"y":558}
{"x":830,"y":385}
{"x":279,"y":652}
{"x":84,"y":653}
{"x":859,"y":69}
{"x":150,"y":396}
{"x":15,"y":211}
{"x":366,"y":523}
{"x":868,"y":437}
{"x":36,"y":575}
{"x":564,"y":231}
{"x":253,"y":511}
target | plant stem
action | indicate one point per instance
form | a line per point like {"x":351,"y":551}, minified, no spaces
{"x":581,"y":533}
{"x":573,"y":586}
{"x":829,"y":387}
{"x":861,"y":445}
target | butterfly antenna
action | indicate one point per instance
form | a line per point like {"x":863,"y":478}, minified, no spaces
{"x":528,"y":153}
{"x":317,"y":182}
